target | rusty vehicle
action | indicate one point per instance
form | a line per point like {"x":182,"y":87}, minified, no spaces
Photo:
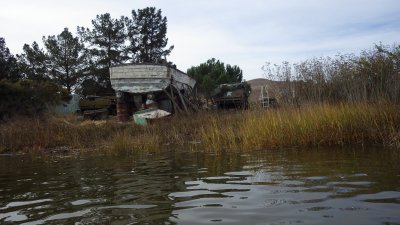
{"x":93,"y":106}
{"x":232,"y":96}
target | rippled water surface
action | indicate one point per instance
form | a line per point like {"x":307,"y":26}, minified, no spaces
{"x":324,"y":186}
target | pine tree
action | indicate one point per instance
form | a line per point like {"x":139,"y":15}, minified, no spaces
{"x":65,"y":58}
{"x":147,"y":34}
{"x":33,"y":62}
{"x":105,"y":43}
{"x":214,"y":72}
{"x":8,"y":63}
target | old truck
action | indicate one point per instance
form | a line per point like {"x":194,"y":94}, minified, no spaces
{"x":93,"y":106}
{"x":232,"y":96}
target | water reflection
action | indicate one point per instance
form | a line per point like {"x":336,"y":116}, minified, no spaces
{"x":329,"y":186}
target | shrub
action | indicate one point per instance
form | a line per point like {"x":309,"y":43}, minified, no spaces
{"x":28,"y":97}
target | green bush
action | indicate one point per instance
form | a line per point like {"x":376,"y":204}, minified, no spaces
{"x":28,"y":97}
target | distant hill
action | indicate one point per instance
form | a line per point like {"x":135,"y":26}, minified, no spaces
{"x":256,"y":85}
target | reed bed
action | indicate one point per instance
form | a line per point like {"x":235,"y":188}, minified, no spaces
{"x":322,"y":125}
{"x":315,"y":125}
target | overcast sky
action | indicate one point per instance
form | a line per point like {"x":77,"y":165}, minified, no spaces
{"x":244,"y":33}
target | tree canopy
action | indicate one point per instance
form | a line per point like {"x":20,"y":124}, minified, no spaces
{"x":213,"y":73}
{"x":140,"y":39}
{"x":28,"y":97}
{"x":81,"y":63}
{"x":105,"y":45}
{"x":33,"y":62}
{"x":65,"y":58}
{"x":147,"y":35}
{"x":8,"y":63}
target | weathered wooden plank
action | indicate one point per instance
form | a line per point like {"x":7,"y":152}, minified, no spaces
{"x":142,"y":78}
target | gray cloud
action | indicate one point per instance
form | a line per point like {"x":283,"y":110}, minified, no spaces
{"x":244,"y":33}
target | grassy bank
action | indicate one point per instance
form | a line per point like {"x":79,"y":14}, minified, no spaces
{"x":317,"y":125}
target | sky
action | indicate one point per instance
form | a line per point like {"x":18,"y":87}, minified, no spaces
{"x":237,"y":32}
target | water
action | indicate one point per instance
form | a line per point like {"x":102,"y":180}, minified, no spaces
{"x":325,"y":186}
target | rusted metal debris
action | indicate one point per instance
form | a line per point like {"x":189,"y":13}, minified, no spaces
{"x":232,"y":96}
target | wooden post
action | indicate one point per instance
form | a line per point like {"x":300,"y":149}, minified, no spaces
{"x":176,"y":107}
{"x":182,"y":100}
{"x":122,"y":110}
{"x":195,"y":108}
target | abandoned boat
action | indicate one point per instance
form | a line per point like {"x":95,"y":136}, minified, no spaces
{"x":144,"y":86}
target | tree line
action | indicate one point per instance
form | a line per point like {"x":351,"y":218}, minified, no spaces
{"x":80,"y":63}
{"x":210,"y":74}
{"x":66,"y":63}
{"x":44,"y":74}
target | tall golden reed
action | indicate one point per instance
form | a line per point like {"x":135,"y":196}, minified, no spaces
{"x":314,"y":125}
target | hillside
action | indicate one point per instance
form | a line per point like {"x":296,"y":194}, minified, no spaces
{"x":256,"y":85}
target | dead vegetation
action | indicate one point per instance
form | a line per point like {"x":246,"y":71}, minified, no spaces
{"x":315,"y":125}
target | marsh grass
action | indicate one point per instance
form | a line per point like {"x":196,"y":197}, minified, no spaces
{"x":314,"y":125}
{"x":326,"y":125}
